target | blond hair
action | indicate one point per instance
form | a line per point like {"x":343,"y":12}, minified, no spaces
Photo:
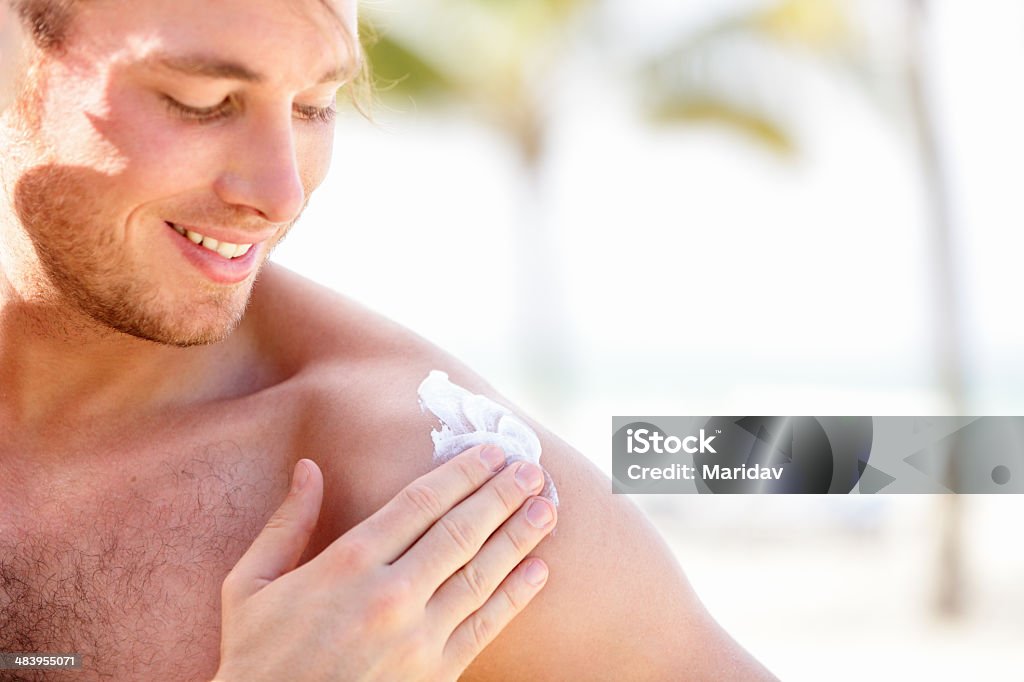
{"x":48,"y":22}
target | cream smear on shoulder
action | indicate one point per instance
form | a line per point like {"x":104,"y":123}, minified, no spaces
{"x":469,"y":419}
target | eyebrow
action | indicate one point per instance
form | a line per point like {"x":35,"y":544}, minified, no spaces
{"x":214,"y":67}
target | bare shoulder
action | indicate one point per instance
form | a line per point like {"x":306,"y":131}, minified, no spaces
{"x":616,"y":604}
{"x":356,"y":374}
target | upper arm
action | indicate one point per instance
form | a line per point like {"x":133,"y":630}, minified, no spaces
{"x":616,"y":603}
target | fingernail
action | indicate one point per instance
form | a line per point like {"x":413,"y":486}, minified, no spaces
{"x":538,"y":513}
{"x":493,"y":457}
{"x":536,"y":573}
{"x":529,"y":476}
{"x":300,"y":476}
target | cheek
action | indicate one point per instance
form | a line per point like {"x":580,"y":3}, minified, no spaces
{"x":167,"y":160}
{"x":136,"y":142}
{"x":71,"y":122}
{"x":313,"y":150}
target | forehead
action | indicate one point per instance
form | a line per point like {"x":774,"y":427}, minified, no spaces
{"x":291,"y":39}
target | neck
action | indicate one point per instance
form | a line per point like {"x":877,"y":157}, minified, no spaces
{"x":58,"y":367}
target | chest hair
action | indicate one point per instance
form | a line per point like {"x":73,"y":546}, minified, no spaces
{"x":130,"y":578}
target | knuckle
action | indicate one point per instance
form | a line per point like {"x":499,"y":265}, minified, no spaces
{"x":508,"y":494}
{"x":468,"y":467}
{"x":482,"y":631}
{"x":517,"y":540}
{"x":460,"y":652}
{"x":279,"y":519}
{"x":291,"y":522}
{"x":476,"y":582}
{"x":387,"y":605}
{"x":350,"y":555}
{"x":460,"y":533}
{"x":513,"y":604}
{"x":424,"y":498}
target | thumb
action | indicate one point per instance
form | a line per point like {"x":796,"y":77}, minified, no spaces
{"x":279,"y":546}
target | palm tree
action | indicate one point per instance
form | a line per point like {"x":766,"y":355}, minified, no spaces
{"x":721,"y":75}
{"x":493,"y":56}
{"x":949,"y":596}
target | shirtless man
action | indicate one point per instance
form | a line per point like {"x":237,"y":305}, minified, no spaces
{"x":158,"y":405}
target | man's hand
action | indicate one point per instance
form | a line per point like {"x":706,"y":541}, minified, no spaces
{"x":414,"y":592}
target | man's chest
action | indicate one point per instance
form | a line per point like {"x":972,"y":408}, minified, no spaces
{"x":124,"y":565}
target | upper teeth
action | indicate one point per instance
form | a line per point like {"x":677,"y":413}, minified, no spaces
{"x":225,"y":249}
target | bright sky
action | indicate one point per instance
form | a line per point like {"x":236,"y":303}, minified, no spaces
{"x":689,"y":267}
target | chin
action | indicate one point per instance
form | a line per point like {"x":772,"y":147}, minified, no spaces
{"x":174,"y":327}
{"x":182,"y":336}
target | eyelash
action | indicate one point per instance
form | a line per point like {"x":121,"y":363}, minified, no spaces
{"x":223,"y":110}
{"x":317,"y":114}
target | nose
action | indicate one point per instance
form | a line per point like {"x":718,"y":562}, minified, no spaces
{"x":262,"y":172}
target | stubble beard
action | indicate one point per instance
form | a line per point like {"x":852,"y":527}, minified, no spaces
{"x":86,"y":269}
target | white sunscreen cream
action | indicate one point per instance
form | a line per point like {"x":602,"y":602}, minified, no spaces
{"x":469,"y":419}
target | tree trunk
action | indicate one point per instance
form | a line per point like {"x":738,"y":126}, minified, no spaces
{"x":947,"y":333}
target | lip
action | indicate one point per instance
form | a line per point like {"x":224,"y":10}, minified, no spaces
{"x":214,"y":266}
{"x":225,"y":234}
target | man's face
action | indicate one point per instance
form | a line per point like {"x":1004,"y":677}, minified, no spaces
{"x":168,"y":116}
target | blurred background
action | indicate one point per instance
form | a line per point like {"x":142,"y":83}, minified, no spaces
{"x":784,"y":207}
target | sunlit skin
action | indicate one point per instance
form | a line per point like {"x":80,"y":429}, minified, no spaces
{"x":139,"y":124}
{"x":153,"y":407}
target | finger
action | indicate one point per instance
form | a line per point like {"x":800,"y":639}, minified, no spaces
{"x":474,"y":583}
{"x":480,"y":629}
{"x":391,"y":530}
{"x":279,"y":546}
{"x":459,"y":534}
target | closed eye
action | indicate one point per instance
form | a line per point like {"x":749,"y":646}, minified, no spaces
{"x":225,"y":108}
{"x":199,"y":114}
{"x":317,"y":114}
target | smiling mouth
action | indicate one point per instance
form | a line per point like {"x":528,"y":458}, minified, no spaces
{"x":224,"y":249}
